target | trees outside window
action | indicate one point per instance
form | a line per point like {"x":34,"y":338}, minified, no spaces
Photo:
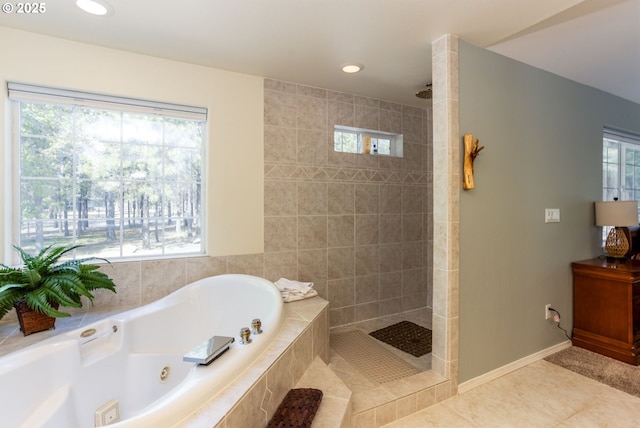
{"x":121,"y":183}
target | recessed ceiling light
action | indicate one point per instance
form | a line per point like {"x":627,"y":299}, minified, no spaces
{"x":352,"y":68}
{"x":94,"y":7}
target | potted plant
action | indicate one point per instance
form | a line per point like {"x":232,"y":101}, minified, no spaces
{"x":44,"y":283}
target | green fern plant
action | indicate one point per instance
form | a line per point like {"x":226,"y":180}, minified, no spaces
{"x":43,"y":279}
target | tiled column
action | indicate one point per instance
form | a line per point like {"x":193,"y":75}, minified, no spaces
{"x":446,"y":203}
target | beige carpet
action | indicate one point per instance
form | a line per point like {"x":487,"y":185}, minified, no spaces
{"x":369,"y":357}
{"x":617,"y":374}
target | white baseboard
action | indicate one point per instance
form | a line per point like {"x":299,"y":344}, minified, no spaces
{"x":518,"y":364}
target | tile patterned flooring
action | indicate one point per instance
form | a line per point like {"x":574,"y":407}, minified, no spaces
{"x":367,"y":395}
{"x":541,"y":394}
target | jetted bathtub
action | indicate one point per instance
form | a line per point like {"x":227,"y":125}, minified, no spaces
{"x":132,"y":366}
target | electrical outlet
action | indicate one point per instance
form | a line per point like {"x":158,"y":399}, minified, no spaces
{"x":547,"y":312}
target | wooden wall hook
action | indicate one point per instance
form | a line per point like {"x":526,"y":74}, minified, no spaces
{"x":471,"y":150}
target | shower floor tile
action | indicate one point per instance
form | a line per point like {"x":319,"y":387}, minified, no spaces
{"x":367,"y":394}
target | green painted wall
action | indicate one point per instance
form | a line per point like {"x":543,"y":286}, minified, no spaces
{"x":543,"y":149}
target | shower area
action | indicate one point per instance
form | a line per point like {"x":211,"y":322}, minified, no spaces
{"x":359,"y":226}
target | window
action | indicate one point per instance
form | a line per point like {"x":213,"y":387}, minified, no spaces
{"x":121,"y":177}
{"x":620,"y":166}
{"x":357,"y":140}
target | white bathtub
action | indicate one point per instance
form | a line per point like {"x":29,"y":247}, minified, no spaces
{"x":62,"y":381}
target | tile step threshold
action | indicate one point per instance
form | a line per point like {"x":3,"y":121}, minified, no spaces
{"x":412,"y":394}
{"x":335,"y":407}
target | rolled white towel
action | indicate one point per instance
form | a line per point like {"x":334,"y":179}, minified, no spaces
{"x":295,"y":290}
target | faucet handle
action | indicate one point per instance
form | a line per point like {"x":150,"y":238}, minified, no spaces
{"x":245,"y":336}
{"x":256,"y":326}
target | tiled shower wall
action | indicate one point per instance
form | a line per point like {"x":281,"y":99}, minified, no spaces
{"x":358,"y":226}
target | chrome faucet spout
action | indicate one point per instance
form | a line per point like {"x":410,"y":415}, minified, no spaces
{"x":208,"y":350}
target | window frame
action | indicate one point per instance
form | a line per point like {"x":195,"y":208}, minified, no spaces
{"x":395,"y":141}
{"x":624,"y":141}
{"x":19,"y":93}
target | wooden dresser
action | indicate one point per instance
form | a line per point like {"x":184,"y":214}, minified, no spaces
{"x":606,"y":308}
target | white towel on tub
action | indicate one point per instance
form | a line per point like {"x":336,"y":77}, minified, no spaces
{"x":295,"y":290}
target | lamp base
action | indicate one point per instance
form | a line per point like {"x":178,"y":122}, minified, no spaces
{"x":617,"y":244}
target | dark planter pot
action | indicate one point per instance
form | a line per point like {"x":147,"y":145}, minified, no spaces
{"x":33,"y":321}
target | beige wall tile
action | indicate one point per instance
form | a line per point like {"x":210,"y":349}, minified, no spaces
{"x":280,"y":144}
{"x":126,"y":277}
{"x":161,"y":277}
{"x":281,"y":265}
{"x":312,"y":265}
{"x":311,"y":113}
{"x":367,"y":289}
{"x":390,"y":257}
{"x":341,"y":198}
{"x":321,"y":336}
{"x":367,"y":198}
{"x":367,"y":259}
{"x":249,"y":264}
{"x":390,"y":198}
{"x":341,"y":262}
{"x":203,"y":267}
{"x":279,"y":381}
{"x":411,"y":255}
{"x":367,"y":311}
{"x":342,"y":316}
{"x":312,"y":232}
{"x":312,"y":198}
{"x":367,"y":117}
{"x":391,"y":120}
{"x":341,"y":231}
{"x":390,"y":285}
{"x":412,"y":227}
{"x":280,"y":234}
{"x":390,"y":228}
{"x":302,"y":354}
{"x":341,"y":292}
{"x":391,"y":306}
{"x":412,"y":199}
{"x":312,"y":147}
{"x":280,"y":198}
{"x":413,"y":282}
{"x":406,"y":406}
{"x":386,"y":414}
{"x":279,"y":109}
{"x":367,"y":229}
{"x":247,"y":413}
{"x":412,"y":126}
{"x":340,"y":113}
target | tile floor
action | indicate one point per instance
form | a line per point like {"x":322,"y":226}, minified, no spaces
{"x":367,"y":395}
{"x":541,"y":394}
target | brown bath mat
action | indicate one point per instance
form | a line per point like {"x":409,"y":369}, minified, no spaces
{"x":370,"y":358}
{"x":406,"y":336}
{"x":297,"y":410}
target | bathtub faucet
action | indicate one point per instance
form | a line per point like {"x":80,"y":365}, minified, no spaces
{"x":208,"y":350}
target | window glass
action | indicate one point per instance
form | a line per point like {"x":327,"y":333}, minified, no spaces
{"x":620,"y":168}
{"x":357,"y":140}
{"x":121,"y":183}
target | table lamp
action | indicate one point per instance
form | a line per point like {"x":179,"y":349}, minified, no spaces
{"x":620,"y":215}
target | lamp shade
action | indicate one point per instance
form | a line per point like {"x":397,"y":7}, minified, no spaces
{"x":617,"y":213}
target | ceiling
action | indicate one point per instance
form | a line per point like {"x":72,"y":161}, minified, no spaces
{"x":595,"y":42}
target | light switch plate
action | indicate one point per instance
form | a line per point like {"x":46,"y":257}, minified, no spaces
{"x":552,"y":215}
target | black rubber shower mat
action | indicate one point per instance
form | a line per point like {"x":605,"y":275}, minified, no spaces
{"x":406,"y":336}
